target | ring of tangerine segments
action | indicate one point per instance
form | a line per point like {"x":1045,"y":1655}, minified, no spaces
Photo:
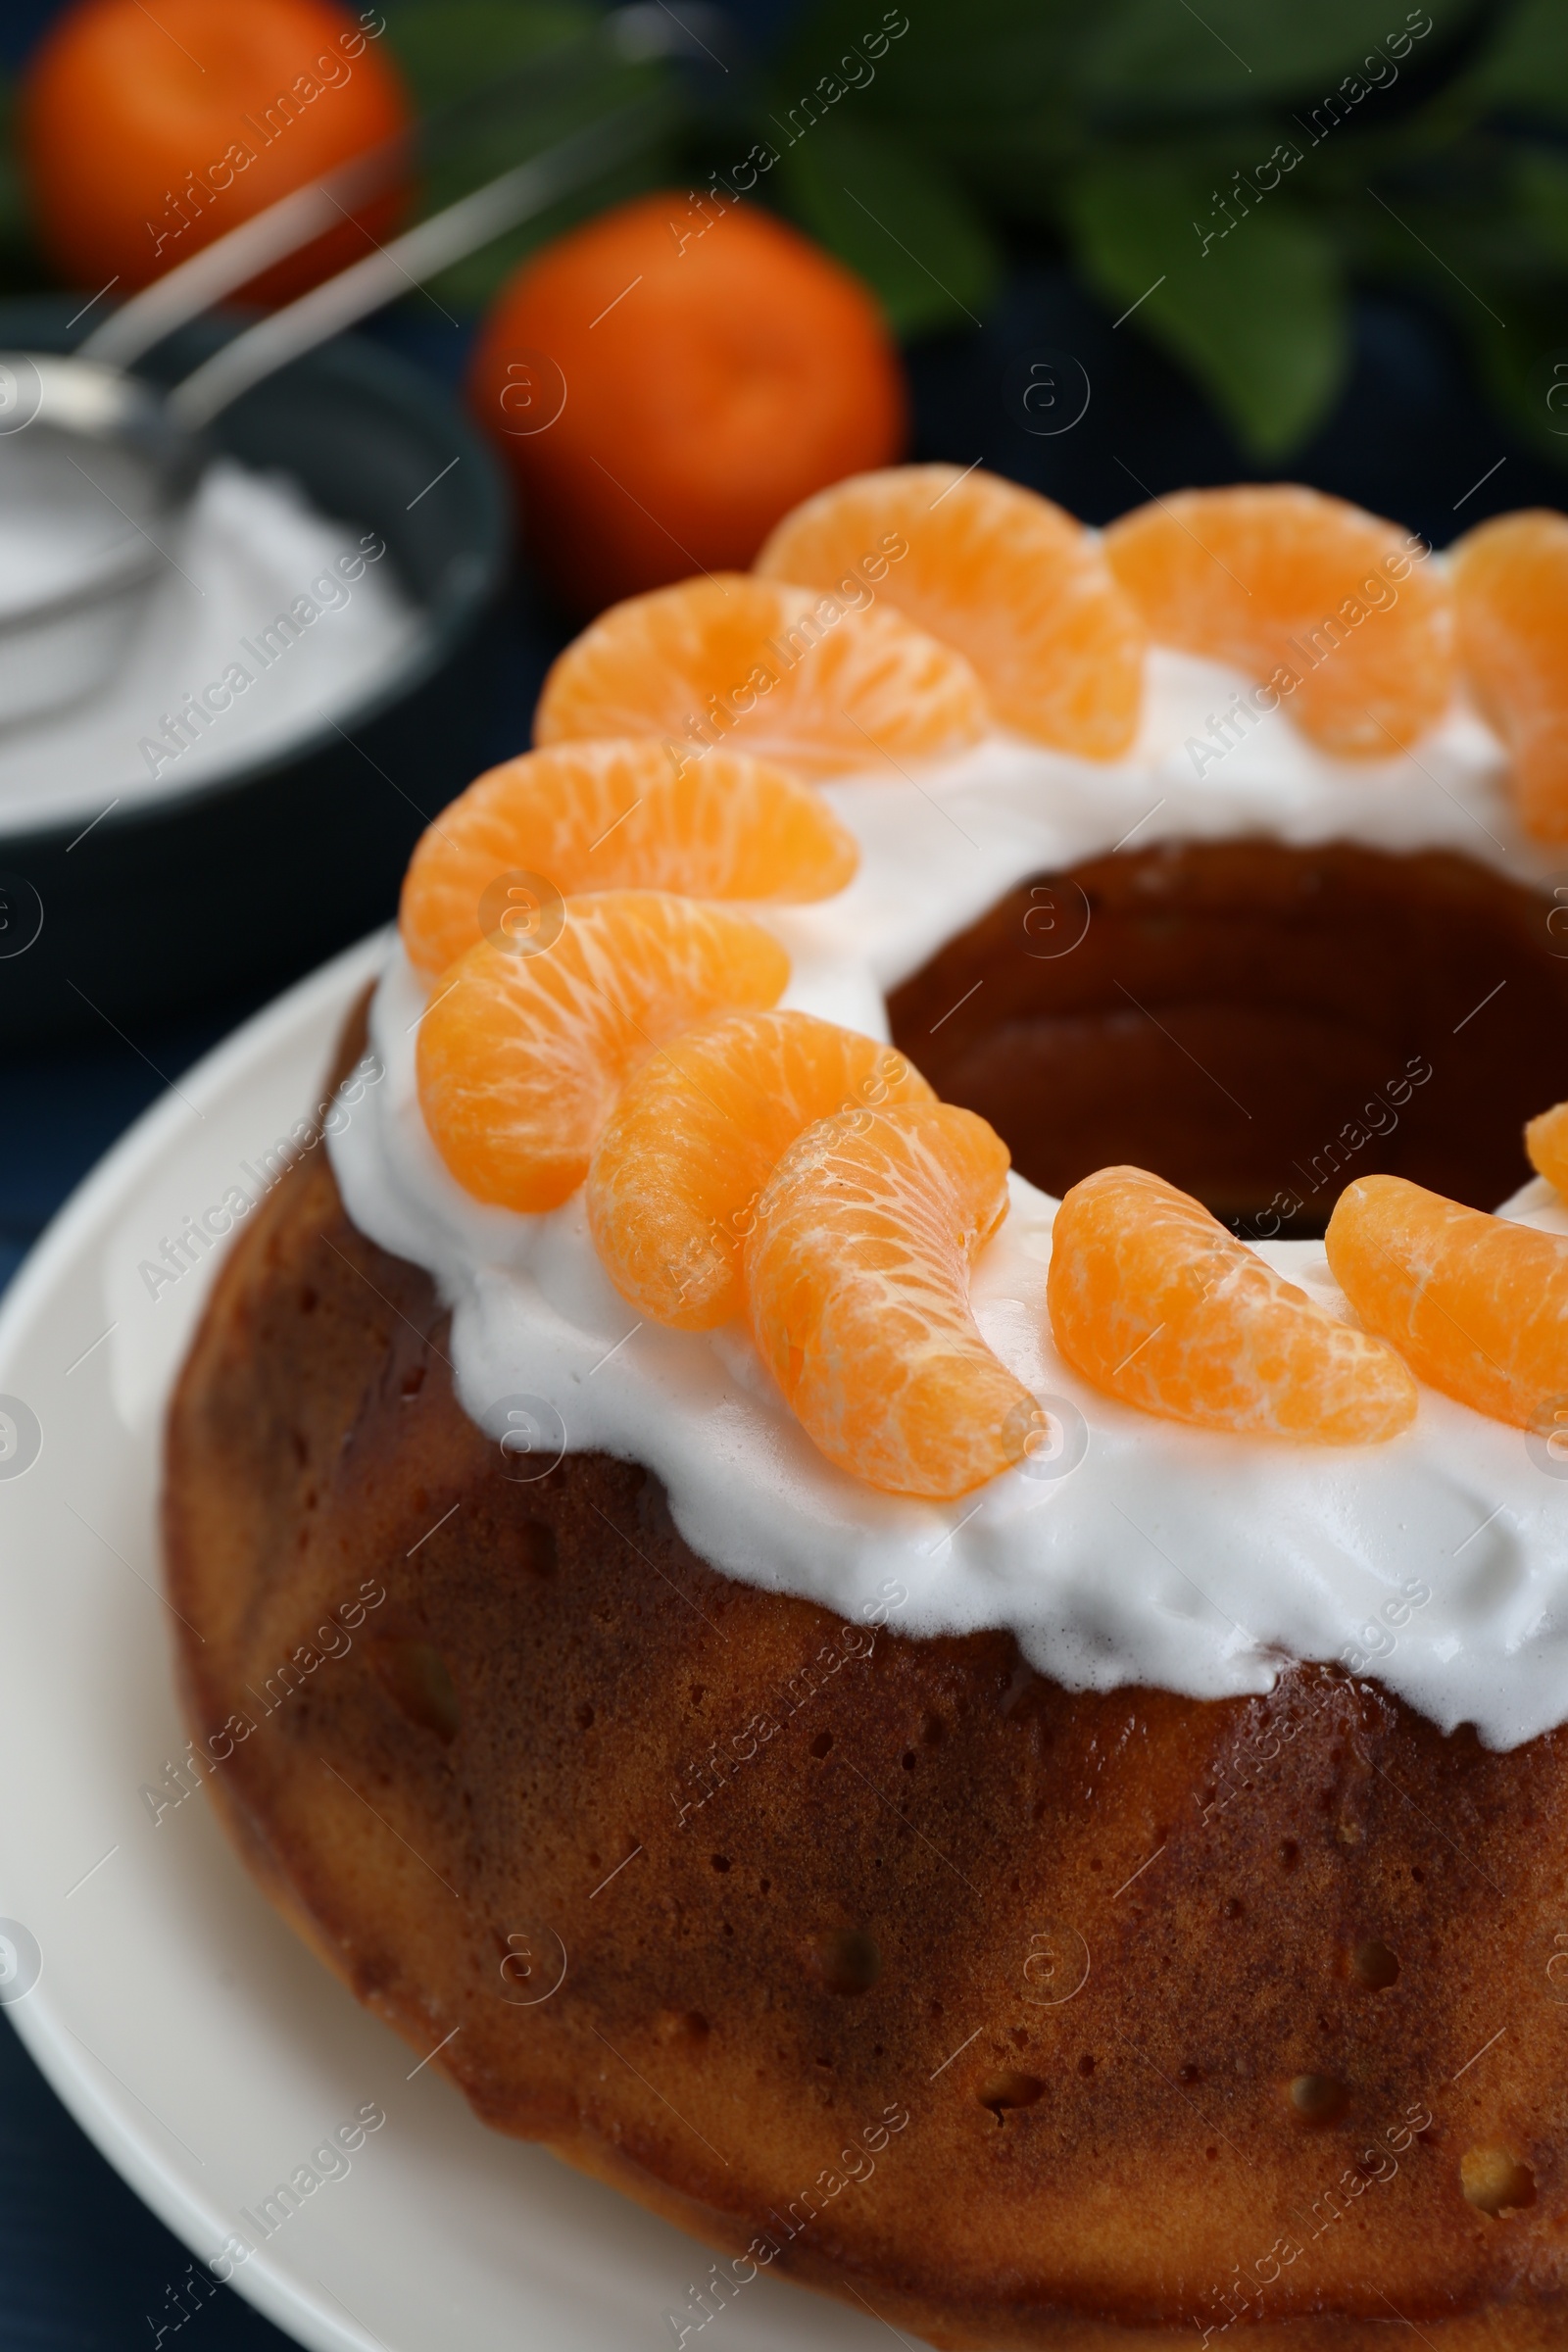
{"x":617,"y":816}
{"x":1478,"y":1306}
{"x":1288,"y":584}
{"x":1511,"y":587}
{"x":520,"y":1057}
{"x":857,"y":1285}
{"x":1020,"y":586}
{"x":697,"y":1132}
{"x":786,"y":672}
{"x":1546,"y":1143}
{"x":1155,"y":1303}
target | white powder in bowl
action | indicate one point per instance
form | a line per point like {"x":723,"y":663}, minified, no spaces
{"x":267,"y":618}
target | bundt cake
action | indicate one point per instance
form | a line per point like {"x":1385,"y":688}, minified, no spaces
{"x":991,"y":1742}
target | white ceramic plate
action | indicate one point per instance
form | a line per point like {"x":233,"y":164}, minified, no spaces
{"x":189,"y":2033}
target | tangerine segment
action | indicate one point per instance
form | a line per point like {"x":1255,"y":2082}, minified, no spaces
{"x":695,"y":1134}
{"x":1477,"y":1306}
{"x":1330,"y":606}
{"x":617,"y":815}
{"x":520,"y":1055}
{"x":1547,"y":1142}
{"x":1017,"y":584}
{"x":1510,"y":586}
{"x":812,"y":679}
{"x":1151,"y":1300}
{"x":856,"y":1284}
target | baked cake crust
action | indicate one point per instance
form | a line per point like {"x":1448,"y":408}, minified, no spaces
{"x":815,"y":2011}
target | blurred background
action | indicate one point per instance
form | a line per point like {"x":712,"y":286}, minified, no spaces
{"x":1107,"y":252}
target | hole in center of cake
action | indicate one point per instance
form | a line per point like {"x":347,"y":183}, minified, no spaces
{"x":1259,"y":1024}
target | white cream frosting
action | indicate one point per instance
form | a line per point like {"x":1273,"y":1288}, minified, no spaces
{"x":1144,"y":1551}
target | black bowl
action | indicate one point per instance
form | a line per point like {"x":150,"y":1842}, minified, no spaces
{"x":245,"y":881}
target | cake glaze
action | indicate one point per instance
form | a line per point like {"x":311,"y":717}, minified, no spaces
{"x":1139,"y":1552}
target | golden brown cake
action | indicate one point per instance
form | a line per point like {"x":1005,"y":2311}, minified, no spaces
{"x":1013,"y":2013}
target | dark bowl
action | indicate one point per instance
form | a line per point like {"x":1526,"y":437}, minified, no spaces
{"x":245,"y":881}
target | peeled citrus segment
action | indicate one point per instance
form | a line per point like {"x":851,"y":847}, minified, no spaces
{"x":1510,"y":588}
{"x":615,"y":816}
{"x":520,"y":1055}
{"x":1017,"y":585}
{"x":1477,"y":1306}
{"x":1151,"y":1300}
{"x":695,"y":1134}
{"x":856,"y":1284}
{"x":1547,"y":1142}
{"x":788,"y":673}
{"x":1284,"y":584}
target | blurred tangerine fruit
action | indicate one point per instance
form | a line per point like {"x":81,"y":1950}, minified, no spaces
{"x":1017,"y":585}
{"x":1151,"y":1300}
{"x":1476,"y":1304}
{"x":695,"y":1136}
{"x":857,"y":1286}
{"x":617,"y":815}
{"x":716,"y":368}
{"x":520,"y":1054}
{"x":1546,"y":1143}
{"x":145,"y":133}
{"x":1285,"y":583}
{"x":811,"y":680}
{"x":1510,"y":586}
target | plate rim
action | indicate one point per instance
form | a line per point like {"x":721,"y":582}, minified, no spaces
{"x":147,"y":2169}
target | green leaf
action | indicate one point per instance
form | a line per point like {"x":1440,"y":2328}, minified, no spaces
{"x":448,"y":48}
{"x":1540,"y":192}
{"x":1520,"y":365}
{"x":1258,"y":313}
{"x":1496,"y":257}
{"x":1247,"y":51}
{"x":531,"y":73}
{"x":981,"y":85}
{"x":954,"y":58}
{"x":1526,"y":66}
{"x":895,"y":216}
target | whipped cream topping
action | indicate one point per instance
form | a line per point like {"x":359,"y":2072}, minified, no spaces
{"x":1134,"y":1549}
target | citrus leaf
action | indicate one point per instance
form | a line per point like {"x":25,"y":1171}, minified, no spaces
{"x":951,"y":57}
{"x":1244,"y":51}
{"x":1258,"y":313}
{"x":1524,"y":367}
{"x":531,"y":73}
{"x":449,"y":48}
{"x":1539,"y":189}
{"x":897,"y":217}
{"x":1525,"y":69}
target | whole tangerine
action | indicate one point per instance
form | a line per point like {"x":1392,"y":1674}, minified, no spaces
{"x":671,"y":378}
{"x":147,"y":134}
